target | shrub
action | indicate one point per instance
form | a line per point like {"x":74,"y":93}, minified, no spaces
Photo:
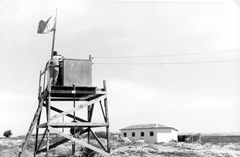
{"x":99,"y":134}
{"x":189,"y":138}
{"x":7,"y":133}
{"x":87,"y":152}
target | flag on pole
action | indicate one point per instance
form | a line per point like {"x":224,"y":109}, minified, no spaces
{"x":47,"y":26}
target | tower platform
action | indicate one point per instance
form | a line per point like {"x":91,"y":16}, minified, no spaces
{"x":71,"y":93}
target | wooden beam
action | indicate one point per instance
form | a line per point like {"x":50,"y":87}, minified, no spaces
{"x":36,"y":135}
{"x":88,"y":97}
{"x":107,"y":116}
{"x":71,"y":91}
{"x":100,"y":91}
{"x":40,"y":143}
{"x":61,"y":142}
{"x":80,"y":142}
{"x":99,"y":142}
{"x":90,"y":113}
{"x":43,"y":125}
{"x":73,"y":124}
{"x":53,"y":145}
{"x":77,"y":108}
{"x":48,"y":112}
{"x":104,"y":116}
{"x":70,"y":98}
{"x":68,"y":115}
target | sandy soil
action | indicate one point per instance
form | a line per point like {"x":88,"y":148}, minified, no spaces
{"x":121,"y":148}
{"x":178,"y":149}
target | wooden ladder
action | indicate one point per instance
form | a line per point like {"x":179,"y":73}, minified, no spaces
{"x":32,"y":125}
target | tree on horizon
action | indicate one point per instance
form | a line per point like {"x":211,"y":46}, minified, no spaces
{"x":7,"y":133}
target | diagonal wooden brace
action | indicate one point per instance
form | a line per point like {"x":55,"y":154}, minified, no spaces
{"x":77,"y":108}
{"x":81,"y":142}
{"x":61,"y":142}
{"x":68,"y":115}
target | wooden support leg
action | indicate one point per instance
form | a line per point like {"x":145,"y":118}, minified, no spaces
{"x":89,"y":114}
{"x":74,"y":120}
{"x":73,"y":148}
{"x":48,"y":121}
{"x":88,"y":133}
{"x":47,"y":129}
{"x":107,"y":127}
{"x":107,"y":118}
{"x":88,"y":117}
{"x":36,"y":136}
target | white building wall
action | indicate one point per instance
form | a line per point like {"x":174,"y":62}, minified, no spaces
{"x":146,"y":137}
{"x":166,"y":135}
{"x":159,"y":135}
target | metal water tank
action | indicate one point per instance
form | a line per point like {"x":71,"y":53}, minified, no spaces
{"x":75,"y":71}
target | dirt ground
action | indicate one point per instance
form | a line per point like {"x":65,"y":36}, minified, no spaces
{"x":177,"y":150}
{"x":121,"y":148}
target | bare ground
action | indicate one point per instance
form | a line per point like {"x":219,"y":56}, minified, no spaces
{"x":10,"y":147}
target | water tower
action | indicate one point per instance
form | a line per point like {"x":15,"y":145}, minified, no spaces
{"x":74,"y":87}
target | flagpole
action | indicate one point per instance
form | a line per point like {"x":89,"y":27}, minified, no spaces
{"x":50,"y":83}
{"x":54,"y":32}
{"x":53,"y":42}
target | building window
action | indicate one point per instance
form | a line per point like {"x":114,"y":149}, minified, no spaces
{"x":133,"y":134}
{"x":125,"y":134}
{"x":142,"y":134}
{"x":151,"y":133}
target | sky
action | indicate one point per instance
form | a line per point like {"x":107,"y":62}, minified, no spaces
{"x":174,"y":63}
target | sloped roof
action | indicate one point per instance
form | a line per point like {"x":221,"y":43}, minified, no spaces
{"x":147,"y":126}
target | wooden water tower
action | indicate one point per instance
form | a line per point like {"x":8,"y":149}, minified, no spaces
{"x":74,"y":86}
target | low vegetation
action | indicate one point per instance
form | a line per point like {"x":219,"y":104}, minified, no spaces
{"x":123,"y":147}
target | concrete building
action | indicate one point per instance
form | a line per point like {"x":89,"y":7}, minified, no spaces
{"x":151,"y":133}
